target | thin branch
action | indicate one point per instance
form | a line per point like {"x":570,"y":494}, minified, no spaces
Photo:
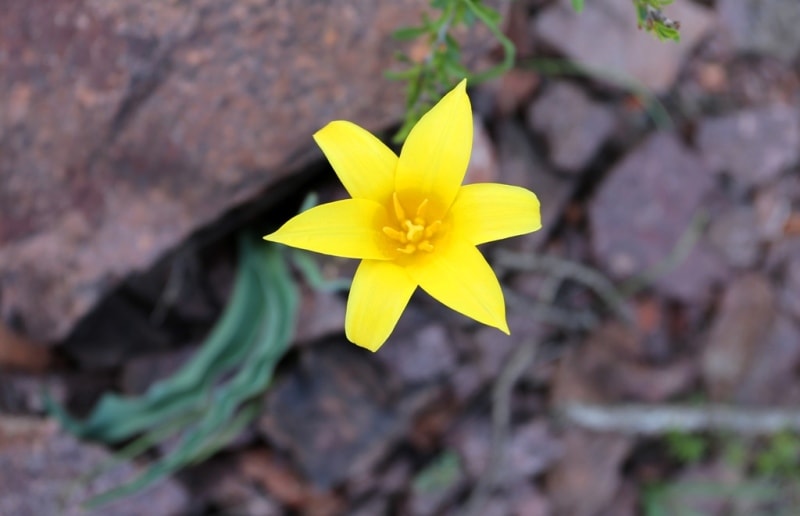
{"x":679,"y":252}
{"x":566,"y":269}
{"x":654,"y":108}
{"x":579,"y":320}
{"x":662,"y":419}
{"x":518,"y":362}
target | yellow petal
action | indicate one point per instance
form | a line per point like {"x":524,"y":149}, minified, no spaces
{"x":349,"y":228}
{"x":484,"y":212}
{"x":365,"y":165}
{"x":379,"y":294}
{"x":457,"y":275}
{"x":435,"y":156}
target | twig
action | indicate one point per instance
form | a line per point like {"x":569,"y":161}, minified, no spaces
{"x":662,"y":419}
{"x":558,"y":271}
{"x":582,"y":320}
{"x":522,"y":357}
{"x":654,"y":108}
{"x":675,"y":257}
{"x":566,"y":269}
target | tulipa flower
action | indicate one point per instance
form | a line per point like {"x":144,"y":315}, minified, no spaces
{"x":411,"y":222}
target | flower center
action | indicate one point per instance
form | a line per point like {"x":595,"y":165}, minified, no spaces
{"x":413,"y":233}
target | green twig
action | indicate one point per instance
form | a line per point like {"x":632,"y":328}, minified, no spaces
{"x":509,"y":51}
{"x":210,"y":399}
{"x":428,"y":78}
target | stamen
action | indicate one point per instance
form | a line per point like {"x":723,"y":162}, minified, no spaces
{"x":425,"y":246}
{"x":398,"y":209}
{"x":433,"y":228}
{"x":421,"y":210}
{"x":394,"y":234}
{"x":414,"y":234}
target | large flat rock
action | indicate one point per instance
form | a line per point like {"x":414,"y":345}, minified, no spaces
{"x":126,"y":125}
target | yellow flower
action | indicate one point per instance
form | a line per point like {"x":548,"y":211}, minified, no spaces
{"x":411,"y":221}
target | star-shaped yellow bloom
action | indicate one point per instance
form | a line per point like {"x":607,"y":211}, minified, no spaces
{"x":411,"y":221}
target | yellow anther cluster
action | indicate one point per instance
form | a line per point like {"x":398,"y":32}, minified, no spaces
{"x":414,"y":233}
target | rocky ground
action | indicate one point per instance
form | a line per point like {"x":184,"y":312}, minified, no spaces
{"x":667,"y":271}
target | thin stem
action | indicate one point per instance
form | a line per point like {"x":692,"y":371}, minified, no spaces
{"x":663,"y":419}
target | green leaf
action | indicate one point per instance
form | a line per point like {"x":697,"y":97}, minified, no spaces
{"x":408,"y":33}
{"x":209,"y":399}
{"x":409,"y":122}
{"x":403,"y":75}
{"x":509,"y":50}
{"x":305,"y":262}
{"x":439,"y":475}
{"x":686,"y":447}
{"x":400,"y":56}
{"x":456,"y":69}
{"x":577,"y":5}
{"x":469,"y":18}
{"x":665,"y":33}
{"x":488,"y":15}
{"x":452,"y":49}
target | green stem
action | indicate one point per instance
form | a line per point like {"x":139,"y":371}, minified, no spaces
{"x":509,"y":51}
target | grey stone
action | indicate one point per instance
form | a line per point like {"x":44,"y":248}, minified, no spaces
{"x":735,"y":234}
{"x":530,"y":450}
{"x":591,"y":466}
{"x":336,"y":414}
{"x":790,"y":291}
{"x":43,"y":471}
{"x":605,"y":37}
{"x":646,"y":204}
{"x":770,"y":378}
{"x":737,"y":334}
{"x":573,"y":126}
{"x":483,"y":160}
{"x":422,"y":356}
{"x":522,"y":165}
{"x":693,"y":278}
{"x":753,"y":146}
{"x":763,"y":26}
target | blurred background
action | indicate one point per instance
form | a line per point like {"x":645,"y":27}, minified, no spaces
{"x":653,"y":365}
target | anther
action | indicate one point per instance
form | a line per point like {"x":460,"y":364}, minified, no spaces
{"x":425,"y":246}
{"x":414,"y":234}
{"x":433,"y":228}
{"x":394,"y":234}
